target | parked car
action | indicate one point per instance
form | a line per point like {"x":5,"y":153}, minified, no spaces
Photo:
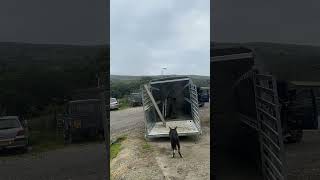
{"x":135,"y":99}
{"x":204,"y":93}
{"x":201,"y":100}
{"x":114,"y":103}
{"x":13,"y":133}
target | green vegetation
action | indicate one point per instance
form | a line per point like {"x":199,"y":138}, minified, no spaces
{"x":121,"y":88}
{"x":33,"y":77}
{"x":45,"y":140}
{"x":146,"y":146}
{"x":38,"y":79}
{"x":114,"y":150}
{"x":116,"y":147}
{"x":124,"y":103}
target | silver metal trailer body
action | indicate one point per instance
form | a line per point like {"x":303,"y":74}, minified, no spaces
{"x":171,"y":102}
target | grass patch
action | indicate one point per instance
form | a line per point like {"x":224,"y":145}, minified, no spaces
{"x":124,"y":104}
{"x":45,"y":140}
{"x":146,"y":146}
{"x":116,"y":147}
{"x":114,"y":150}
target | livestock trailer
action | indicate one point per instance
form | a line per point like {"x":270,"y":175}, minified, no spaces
{"x":84,"y":115}
{"x":171,"y":102}
{"x":246,"y":110}
{"x":264,"y":95}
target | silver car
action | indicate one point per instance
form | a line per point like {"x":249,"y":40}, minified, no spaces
{"x":13,"y":133}
{"x":114,"y":104}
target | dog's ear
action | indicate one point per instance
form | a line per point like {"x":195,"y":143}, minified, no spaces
{"x":170,"y":128}
{"x":175,"y":127}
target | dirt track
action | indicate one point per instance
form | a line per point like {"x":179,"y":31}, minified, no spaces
{"x":140,"y":159}
{"x":126,"y":120}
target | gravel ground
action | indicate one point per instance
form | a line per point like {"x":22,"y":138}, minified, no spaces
{"x":76,"y":162}
{"x":303,"y":158}
{"x":134,"y":162}
{"x":141,"y":159}
{"x":127,"y":120}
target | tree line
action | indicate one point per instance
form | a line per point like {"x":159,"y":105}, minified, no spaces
{"x":28,"y":90}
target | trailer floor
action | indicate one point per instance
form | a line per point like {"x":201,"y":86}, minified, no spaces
{"x":184,"y":127}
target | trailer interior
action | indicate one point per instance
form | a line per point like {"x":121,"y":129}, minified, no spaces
{"x":171,"y":102}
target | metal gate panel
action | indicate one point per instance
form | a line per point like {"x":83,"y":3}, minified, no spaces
{"x":194,"y":105}
{"x":147,"y":107}
{"x":269,"y":126}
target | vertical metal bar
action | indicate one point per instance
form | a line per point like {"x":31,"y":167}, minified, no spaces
{"x":145,"y":112}
{"x":259,"y":124}
{"x":282,"y":153}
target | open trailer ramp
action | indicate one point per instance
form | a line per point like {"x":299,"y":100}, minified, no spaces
{"x":171,"y":102}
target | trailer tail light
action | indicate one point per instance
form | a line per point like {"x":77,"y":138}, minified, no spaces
{"x":20,"y":133}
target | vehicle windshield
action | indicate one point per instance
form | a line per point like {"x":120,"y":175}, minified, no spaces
{"x":9,"y":123}
{"x":113,"y":100}
{"x":204,"y":92}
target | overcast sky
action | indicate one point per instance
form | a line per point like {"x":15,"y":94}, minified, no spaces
{"x":83,"y":22}
{"x":285,"y":21}
{"x":147,"y":35}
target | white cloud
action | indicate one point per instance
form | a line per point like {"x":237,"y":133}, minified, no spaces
{"x":151,"y":34}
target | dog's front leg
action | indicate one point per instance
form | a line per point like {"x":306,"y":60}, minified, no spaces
{"x":173,"y":153}
{"x":179,"y":153}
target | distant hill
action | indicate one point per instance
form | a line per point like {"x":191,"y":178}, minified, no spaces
{"x":286,"y":61}
{"x":52,"y":56}
{"x":33,"y":76}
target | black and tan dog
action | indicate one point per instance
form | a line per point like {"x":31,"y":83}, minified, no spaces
{"x":175,"y":142}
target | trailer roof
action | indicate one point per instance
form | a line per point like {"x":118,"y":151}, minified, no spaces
{"x":170,"y":79}
{"x":229,"y":53}
{"x":306,"y":83}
